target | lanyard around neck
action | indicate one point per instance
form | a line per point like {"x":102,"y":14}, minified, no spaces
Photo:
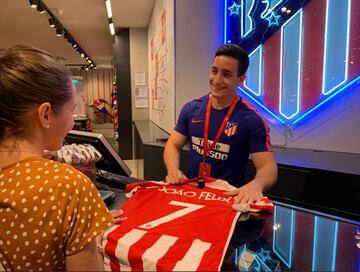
{"x":222,"y":126}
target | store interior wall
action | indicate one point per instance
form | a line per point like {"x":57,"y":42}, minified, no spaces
{"x":196,"y":40}
{"x":138,"y":63}
{"x":96,"y":84}
{"x":334,"y":127}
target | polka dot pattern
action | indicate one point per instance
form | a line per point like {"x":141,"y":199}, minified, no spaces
{"x":48,"y":210}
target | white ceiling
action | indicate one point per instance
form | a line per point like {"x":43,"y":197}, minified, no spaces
{"x":85,"y":20}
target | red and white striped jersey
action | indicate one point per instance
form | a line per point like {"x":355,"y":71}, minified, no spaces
{"x":172,"y":227}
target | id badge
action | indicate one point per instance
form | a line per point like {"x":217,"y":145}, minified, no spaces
{"x":204,"y":169}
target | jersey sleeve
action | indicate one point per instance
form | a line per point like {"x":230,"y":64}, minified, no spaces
{"x":182,"y":124}
{"x":86,"y":214}
{"x":259,"y":136}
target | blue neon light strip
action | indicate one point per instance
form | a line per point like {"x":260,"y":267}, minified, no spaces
{"x":270,"y":7}
{"x":244,"y":91}
{"x":348,"y":85}
{"x":336,"y":49}
{"x":325,"y":242}
{"x":225,"y":22}
{"x":290,"y":66}
{"x":247,"y":24}
{"x":283,"y":237}
{"x":254,"y":74}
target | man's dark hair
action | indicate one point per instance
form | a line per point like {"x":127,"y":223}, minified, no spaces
{"x":236,"y":52}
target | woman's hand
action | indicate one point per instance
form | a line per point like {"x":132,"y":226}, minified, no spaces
{"x":116,"y":214}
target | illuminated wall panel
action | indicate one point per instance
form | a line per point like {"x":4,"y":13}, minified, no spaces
{"x":303,"y":50}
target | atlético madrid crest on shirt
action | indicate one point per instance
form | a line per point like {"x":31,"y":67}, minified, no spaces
{"x":303,"y":53}
{"x":230,"y":128}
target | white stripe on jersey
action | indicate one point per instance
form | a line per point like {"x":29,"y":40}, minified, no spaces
{"x":123,"y":246}
{"x":193,"y":256}
{"x":157,"y":251}
{"x":104,"y":241}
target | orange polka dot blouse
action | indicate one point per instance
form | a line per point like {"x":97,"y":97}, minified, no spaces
{"x":48,"y":210}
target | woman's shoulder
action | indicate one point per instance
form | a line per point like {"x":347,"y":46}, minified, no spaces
{"x":54,"y":172}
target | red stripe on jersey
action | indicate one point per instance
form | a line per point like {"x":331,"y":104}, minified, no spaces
{"x":267,"y":130}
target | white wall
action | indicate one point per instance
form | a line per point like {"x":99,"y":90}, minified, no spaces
{"x":198,"y":33}
{"x":138,"y":63}
{"x":161,"y":64}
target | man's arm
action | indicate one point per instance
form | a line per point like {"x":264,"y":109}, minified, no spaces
{"x":171,"y":156}
{"x":266,"y":176}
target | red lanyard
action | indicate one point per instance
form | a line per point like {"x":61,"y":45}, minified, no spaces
{"x":222,"y":126}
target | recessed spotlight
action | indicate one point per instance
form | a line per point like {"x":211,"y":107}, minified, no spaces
{"x":59,"y":31}
{"x":52,"y":22}
{"x":33,"y":3}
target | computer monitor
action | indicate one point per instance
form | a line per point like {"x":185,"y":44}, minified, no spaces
{"x":110,"y":161}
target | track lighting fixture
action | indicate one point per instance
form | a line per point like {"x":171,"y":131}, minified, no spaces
{"x":33,"y":3}
{"x":60,"y":30}
{"x":40,"y":7}
{"x":67,"y":36}
{"x":52,"y":22}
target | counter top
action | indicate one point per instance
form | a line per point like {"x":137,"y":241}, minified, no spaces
{"x":294,"y":239}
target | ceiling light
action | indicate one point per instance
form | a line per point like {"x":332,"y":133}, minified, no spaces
{"x":40,"y":8}
{"x":33,"y":3}
{"x":112,"y":29}
{"x":82,"y":55}
{"x":111,"y":26}
{"x":52,"y":22}
{"x":108,"y":8}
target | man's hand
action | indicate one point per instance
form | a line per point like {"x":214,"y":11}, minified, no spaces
{"x":249,"y":193}
{"x":116,"y":214}
{"x":176,"y":177}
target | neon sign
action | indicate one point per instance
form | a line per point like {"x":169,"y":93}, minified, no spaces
{"x":303,"y":54}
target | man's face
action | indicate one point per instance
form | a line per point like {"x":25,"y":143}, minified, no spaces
{"x":223,"y":77}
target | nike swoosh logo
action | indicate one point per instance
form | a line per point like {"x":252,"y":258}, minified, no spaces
{"x":194,"y":121}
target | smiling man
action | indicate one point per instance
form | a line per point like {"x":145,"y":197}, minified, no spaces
{"x":223,"y":130}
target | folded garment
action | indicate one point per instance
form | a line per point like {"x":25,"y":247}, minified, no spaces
{"x":263,"y":205}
